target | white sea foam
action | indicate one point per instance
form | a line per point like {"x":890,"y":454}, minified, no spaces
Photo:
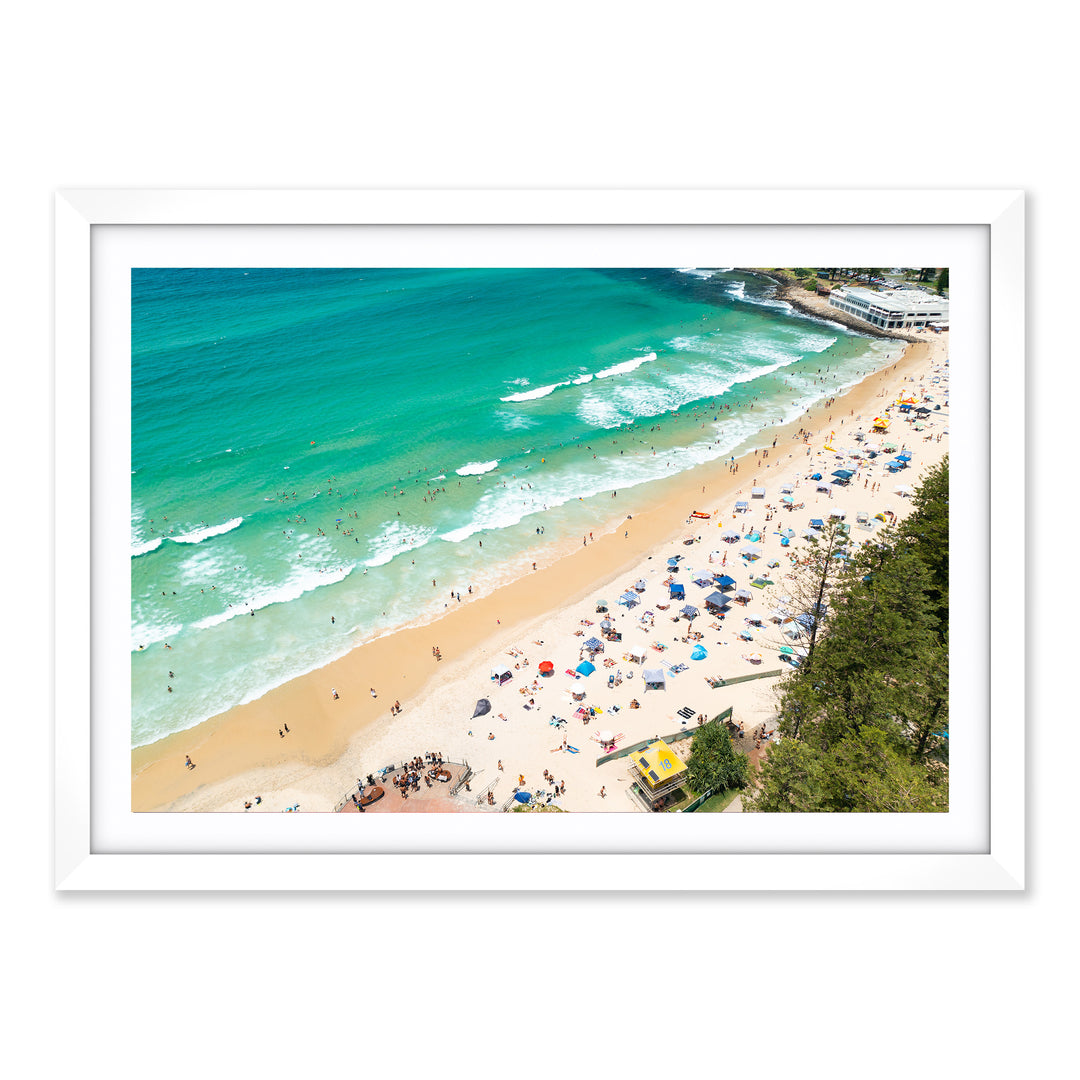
{"x":150,"y":633}
{"x":695,"y":271}
{"x":198,"y":535}
{"x":625,"y":366}
{"x":300,"y":582}
{"x":475,"y":468}
{"x":396,"y":538}
{"x":582,"y":379}
{"x":539,"y":392}
{"x":142,"y":548}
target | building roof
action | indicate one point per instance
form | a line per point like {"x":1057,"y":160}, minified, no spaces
{"x":658,"y":764}
{"x":904,"y":301}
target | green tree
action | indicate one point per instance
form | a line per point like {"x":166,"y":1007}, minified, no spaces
{"x":789,"y":780}
{"x":713,"y":764}
{"x":943,"y":281}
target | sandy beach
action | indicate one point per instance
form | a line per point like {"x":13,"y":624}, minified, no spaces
{"x":547,"y":615}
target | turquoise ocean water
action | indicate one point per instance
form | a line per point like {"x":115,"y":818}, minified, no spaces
{"x":317,"y":444}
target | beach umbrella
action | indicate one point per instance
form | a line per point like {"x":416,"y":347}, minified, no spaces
{"x":482,"y":706}
{"x":902,"y":490}
{"x":787,"y":498}
{"x":605,"y":736}
{"x":605,"y":624}
{"x":585,"y":668}
{"x":522,"y":796}
{"x":641,"y":585}
{"x":699,"y":653}
{"x":754,"y":658}
{"x":547,"y":667}
{"x":787,"y":650}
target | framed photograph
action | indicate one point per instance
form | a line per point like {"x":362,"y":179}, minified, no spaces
{"x":470,"y":511}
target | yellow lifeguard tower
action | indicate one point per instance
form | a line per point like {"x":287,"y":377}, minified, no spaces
{"x":658,"y":770}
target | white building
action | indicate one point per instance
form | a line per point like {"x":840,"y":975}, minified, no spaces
{"x":892,"y":309}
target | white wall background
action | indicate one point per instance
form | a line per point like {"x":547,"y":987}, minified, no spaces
{"x":483,"y":94}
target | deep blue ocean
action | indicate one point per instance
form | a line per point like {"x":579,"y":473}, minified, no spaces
{"x":317,"y":444}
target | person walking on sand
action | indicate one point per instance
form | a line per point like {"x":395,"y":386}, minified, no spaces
{"x":188,"y":762}
{"x":333,"y":693}
{"x":602,"y":795}
{"x":372,"y":689}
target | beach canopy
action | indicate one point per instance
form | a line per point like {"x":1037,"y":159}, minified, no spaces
{"x":844,"y":474}
{"x":787,"y":489}
{"x":585,"y":668}
{"x":742,"y":505}
{"x":743,"y":594}
{"x":690,"y":611}
{"x":594,"y":645}
{"x":757,"y":493}
{"x":699,"y":653}
{"x":904,"y":455}
{"x":730,"y":534}
{"x":750,"y":551}
{"x":501,"y":675}
{"x":654,"y":677}
{"x":629,"y":599}
{"x":717,"y":600}
{"x":725,"y":582}
{"x":483,"y":706}
{"x":817,"y":523}
{"x":677,"y":590}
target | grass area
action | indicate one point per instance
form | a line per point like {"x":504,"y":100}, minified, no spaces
{"x":716,"y":803}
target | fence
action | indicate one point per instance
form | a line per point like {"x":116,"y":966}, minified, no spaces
{"x":676,"y":737}
{"x":748,"y":678}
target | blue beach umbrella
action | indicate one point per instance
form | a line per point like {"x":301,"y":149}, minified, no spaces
{"x":522,"y":796}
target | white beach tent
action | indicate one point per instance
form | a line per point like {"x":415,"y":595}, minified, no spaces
{"x":654,"y":679}
{"x":501,"y":674}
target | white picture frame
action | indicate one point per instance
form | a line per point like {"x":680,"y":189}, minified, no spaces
{"x":287,"y":858}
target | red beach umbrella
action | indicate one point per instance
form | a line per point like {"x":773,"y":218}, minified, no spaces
{"x":546,"y":667}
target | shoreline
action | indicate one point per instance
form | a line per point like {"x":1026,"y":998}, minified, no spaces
{"x":241,"y":749}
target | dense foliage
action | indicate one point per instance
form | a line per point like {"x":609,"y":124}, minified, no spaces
{"x":713,"y":764}
{"x":865,"y":717}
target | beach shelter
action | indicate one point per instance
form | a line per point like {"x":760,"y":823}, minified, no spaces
{"x":677,"y":591}
{"x":902,"y":490}
{"x":815,"y":476}
{"x":585,"y":668}
{"x":725,"y":582}
{"x":654,"y":679}
{"x":689,"y":611}
{"x":753,"y":537}
{"x":605,"y":624}
{"x":823,"y":486}
{"x":628,"y":599}
{"x":743,"y":594}
{"x":904,"y":455}
{"x":787,"y":498}
{"x":787,"y":489}
{"x":699,"y":653}
{"x":817,"y":523}
{"x":659,"y":769}
{"x":742,"y":505}
{"x":757,"y":493}
{"x":483,"y":706}
{"x":749,"y":551}
{"x":761,"y":582}
{"x":641,"y":585}
{"x":673,"y":562}
{"x":730,"y":534}
{"x":703,"y":583}
{"x":501,"y":675}
{"x":811,"y":534}
{"x":594,"y":645}
{"x":716,"y":602}
{"x":843,"y":474}
{"x":601,"y":605}
{"x":547,"y":668}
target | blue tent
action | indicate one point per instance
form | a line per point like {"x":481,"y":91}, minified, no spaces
{"x":725,"y":582}
{"x":717,"y":600}
{"x":817,"y":523}
{"x":699,"y":653}
{"x":677,"y":591}
{"x":585,"y":668}
{"x":690,"y":611}
{"x":844,"y":474}
{"x":816,"y":476}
